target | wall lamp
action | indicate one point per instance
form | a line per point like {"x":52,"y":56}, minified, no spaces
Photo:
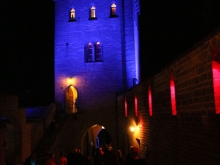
{"x":71,"y":80}
{"x":132,"y":129}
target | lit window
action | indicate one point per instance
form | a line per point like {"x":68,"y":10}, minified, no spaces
{"x":72,"y":15}
{"x":113,"y":11}
{"x":98,"y":52}
{"x":92,"y":13}
{"x":89,"y":53}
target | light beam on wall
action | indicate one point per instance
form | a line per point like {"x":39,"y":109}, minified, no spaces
{"x":136,"y":106}
{"x":216,"y":85}
{"x":150,"y":101}
{"x":172,"y":95}
{"x":125,"y":108}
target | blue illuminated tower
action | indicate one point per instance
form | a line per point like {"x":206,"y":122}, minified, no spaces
{"x":96,"y":55}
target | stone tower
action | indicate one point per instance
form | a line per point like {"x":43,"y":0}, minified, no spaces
{"x":96,"y":57}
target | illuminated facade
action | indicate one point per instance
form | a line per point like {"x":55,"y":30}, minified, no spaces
{"x":96,"y":52}
{"x":96,"y":57}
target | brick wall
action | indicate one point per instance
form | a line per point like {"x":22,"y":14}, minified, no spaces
{"x":2,"y":128}
{"x":37,"y":131}
{"x":9,"y":106}
{"x":19,"y":136}
{"x":26,"y":141}
{"x":191,"y":136}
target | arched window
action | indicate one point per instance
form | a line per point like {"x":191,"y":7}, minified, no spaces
{"x":92,"y":13}
{"x":113,"y":11}
{"x":89,"y":52}
{"x":93,"y":52}
{"x":98,"y":52}
{"x":72,"y":15}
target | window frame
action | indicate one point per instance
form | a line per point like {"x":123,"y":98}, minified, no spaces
{"x":72,"y":19}
{"x":89,"y":52}
{"x":113,"y":11}
{"x":93,"y":52}
{"x":92,"y":13}
{"x":98,"y":52}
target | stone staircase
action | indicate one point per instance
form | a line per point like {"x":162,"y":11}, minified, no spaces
{"x":49,"y":138}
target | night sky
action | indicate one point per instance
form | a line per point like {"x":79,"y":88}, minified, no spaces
{"x":167,"y":29}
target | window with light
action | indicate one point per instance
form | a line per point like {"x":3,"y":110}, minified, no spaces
{"x":113,"y":11}
{"x":92,"y":13}
{"x":72,"y":15}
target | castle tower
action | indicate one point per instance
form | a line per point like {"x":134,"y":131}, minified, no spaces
{"x":96,"y":55}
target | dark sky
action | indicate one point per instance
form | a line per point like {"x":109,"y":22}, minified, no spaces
{"x":167,"y":28}
{"x":26,"y":59}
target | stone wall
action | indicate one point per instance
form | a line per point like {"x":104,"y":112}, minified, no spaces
{"x":191,"y":136}
{"x":18,"y":137}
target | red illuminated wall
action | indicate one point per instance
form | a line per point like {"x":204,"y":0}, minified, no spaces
{"x":172,"y":95}
{"x":190,"y":134}
{"x":136,"y":106}
{"x":150,"y":101}
{"x":125,"y":108}
{"x":216,"y":84}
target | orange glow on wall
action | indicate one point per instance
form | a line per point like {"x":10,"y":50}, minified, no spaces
{"x":150,"y":101}
{"x":172,"y":95}
{"x":125,"y":108}
{"x":136,"y":106}
{"x":216,"y":85}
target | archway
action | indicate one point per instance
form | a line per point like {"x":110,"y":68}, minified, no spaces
{"x":95,"y":137}
{"x":104,"y":138}
{"x":71,"y":96}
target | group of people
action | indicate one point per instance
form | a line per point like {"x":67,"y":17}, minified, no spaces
{"x":104,"y":156}
{"x":100,"y":156}
{"x":49,"y":160}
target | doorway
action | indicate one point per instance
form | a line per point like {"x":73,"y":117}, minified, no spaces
{"x":95,"y":137}
{"x":71,"y":96}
